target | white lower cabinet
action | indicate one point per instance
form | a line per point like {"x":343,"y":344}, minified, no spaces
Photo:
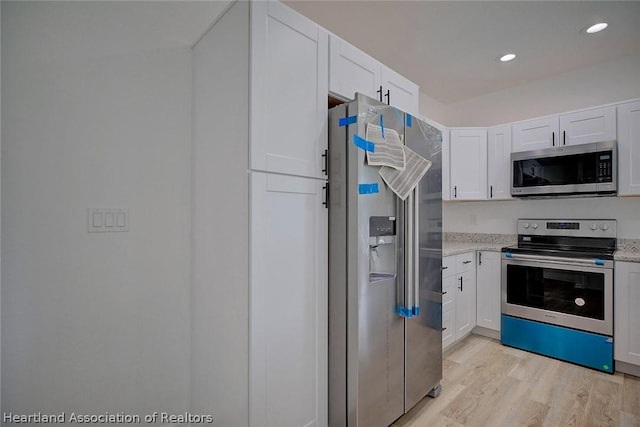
{"x":288,"y":302}
{"x":626,"y":313}
{"x":488,"y":290}
{"x":459,"y":297}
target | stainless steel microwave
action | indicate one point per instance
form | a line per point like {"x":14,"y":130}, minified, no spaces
{"x":571,"y":170}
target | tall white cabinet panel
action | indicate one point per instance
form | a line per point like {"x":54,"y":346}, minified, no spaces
{"x":536,"y":134}
{"x":351,"y":70}
{"x":400,"y":91}
{"x":468,"y":158}
{"x":629,"y":149}
{"x":488,"y":290}
{"x":499,"y":162}
{"x":288,"y":302}
{"x":627,"y":314}
{"x":289,"y":85}
{"x":584,"y":127}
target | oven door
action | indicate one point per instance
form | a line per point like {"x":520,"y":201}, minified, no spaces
{"x":575,"y":293}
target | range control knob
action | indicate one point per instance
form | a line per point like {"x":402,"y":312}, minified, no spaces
{"x":604,"y":227}
{"x":525,"y":225}
{"x":593,"y":226}
{"x":534,"y":225}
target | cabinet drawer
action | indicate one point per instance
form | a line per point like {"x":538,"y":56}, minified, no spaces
{"x":465,"y":262}
{"x":448,"y":266}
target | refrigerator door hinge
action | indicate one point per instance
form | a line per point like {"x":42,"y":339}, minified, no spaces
{"x":325,"y":203}
{"x":325,"y":156}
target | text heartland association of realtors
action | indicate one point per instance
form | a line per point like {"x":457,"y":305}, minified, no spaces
{"x":106,"y":418}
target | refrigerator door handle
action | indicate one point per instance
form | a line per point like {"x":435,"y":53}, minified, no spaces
{"x":409,"y":238}
{"x":416,"y":252}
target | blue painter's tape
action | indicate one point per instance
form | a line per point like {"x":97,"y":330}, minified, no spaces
{"x":416,"y":311}
{"x":364,"y":144}
{"x":368,"y":188}
{"x":409,"y":120}
{"x":599,"y":262}
{"x":405,"y":312}
{"x":508,"y":255}
{"x":382,"y":125}
{"x":346,"y":121}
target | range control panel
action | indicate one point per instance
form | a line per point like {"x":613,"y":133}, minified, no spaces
{"x":568,"y":227}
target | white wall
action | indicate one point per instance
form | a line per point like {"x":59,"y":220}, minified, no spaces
{"x":93,"y":322}
{"x":432,"y":108}
{"x":500,"y":216}
{"x":220,"y":264}
{"x":603,"y":83}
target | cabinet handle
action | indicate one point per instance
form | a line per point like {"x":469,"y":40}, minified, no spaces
{"x":564,"y":137}
{"x":455,"y":191}
{"x":325,"y":203}
{"x":444,"y":267}
{"x":388,"y":97}
{"x":444,"y":329}
{"x":326,"y":162}
{"x":466,"y":262}
{"x":553,"y":139}
{"x":379,"y":91}
{"x":460,"y":287}
{"x":479,"y":258}
{"x":444,"y":292}
{"x":491,"y":189}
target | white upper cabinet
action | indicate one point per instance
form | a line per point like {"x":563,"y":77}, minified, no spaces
{"x":535,"y":134}
{"x":499,"y":162}
{"x":289,"y":84}
{"x":468,"y":160}
{"x":400,"y":91}
{"x":351,"y":71}
{"x":629,"y":149}
{"x":584,"y":127}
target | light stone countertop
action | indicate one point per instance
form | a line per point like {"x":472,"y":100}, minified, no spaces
{"x":628,"y":256}
{"x":454,"y":248}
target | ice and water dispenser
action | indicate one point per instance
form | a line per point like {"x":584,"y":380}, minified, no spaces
{"x":382,"y":247}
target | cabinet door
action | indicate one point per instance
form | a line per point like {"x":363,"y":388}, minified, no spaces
{"x":488,"y":290}
{"x":400,"y":92}
{"x":465,"y":303}
{"x":499,"y":162}
{"x":289,"y":85}
{"x":583,"y":127}
{"x":629,"y":149}
{"x":351,"y":70}
{"x":468,"y":157}
{"x":448,"y":328}
{"x":535,"y":134}
{"x":626,"y":313}
{"x":288,"y":302}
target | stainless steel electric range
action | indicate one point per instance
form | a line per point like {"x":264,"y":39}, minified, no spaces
{"x":557,"y":290}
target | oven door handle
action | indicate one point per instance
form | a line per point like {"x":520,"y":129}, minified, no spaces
{"x":591,"y":262}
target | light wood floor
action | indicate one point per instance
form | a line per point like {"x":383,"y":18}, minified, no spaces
{"x":489,"y":385}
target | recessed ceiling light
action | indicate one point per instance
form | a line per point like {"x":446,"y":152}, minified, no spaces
{"x":596,"y":28}
{"x":508,"y":57}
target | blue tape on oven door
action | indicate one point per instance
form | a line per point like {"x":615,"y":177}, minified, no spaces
{"x":508,"y":255}
{"x":364,"y":144}
{"x":368,"y":188}
{"x":346,"y":121}
{"x":409,"y":120}
{"x":599,"y":262}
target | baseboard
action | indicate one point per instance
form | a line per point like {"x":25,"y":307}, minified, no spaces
{"x":627,"y":368}
{"x":486,"y":332}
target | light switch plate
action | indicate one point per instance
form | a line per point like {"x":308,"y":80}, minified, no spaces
{"x":100,"y":220}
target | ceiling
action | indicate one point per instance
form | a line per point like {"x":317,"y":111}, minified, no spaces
{"x":450,"y":48}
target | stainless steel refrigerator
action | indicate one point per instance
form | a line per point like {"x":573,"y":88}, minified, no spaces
{"x":385,"y":257}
